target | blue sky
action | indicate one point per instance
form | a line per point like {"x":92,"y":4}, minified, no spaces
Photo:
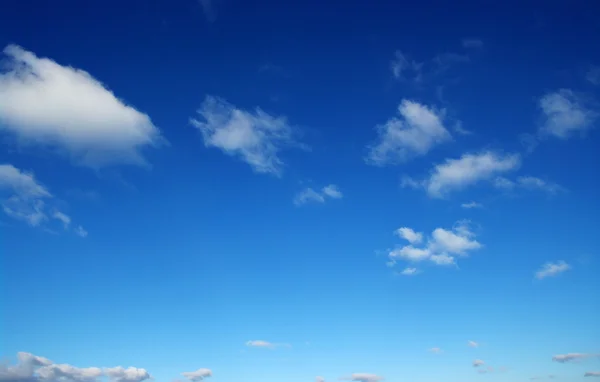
{"x":234,"y":190}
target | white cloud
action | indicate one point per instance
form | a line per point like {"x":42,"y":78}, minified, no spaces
{"x":565,"y":113}
{"x":23,"y":198}
{"x":363,"y":377}
{"x":592,"y":374}
{"x":130,"y":374}
{"x":409,"y":235}
{"x":416,"y":131}
{"x":468,"y":170}
{"x":571,"y":357}
{"x":319,"y":379}
{"x":409,"y":271}
{"x":533,"y":183}
{"x":256,"y":137}
{"x":478,"y":363}
{"x":197,"y":375}
{"x":470,"y":205}
{"x":61,"y":107}
{"x":32,"y":368}
{"x":264,"y":344}
{"x":472,"y":43}
{"x":436,"y":350}
{"x":441,"y":248}
{"x":80,"y":231}
{"x":472,"y":344}
{"x":309,"y":195}
{"x":593,"y":75}
{"x":552,"y":269}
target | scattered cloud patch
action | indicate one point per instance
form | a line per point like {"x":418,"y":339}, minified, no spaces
{"x":309,"y":195}
{"x":46,"y":104}
{"x":592,"y":374}
{"x":472,"y":344}
{"x":441,"y":247}
{"x":533,"y":183}
{"x":130,"y":374}
{"x":414,"y":132}
{"x":409,"y":235}
{"x":468,"y":170}
{"x":552,"y":269}
{"x":65,"y":219}
{"x":403,"y":67}
{"x":198,"y":375}
{"x":571,"y":357}
{"x":478,"y":362}
{"x":264,"y":344}
{"x":470,"y":205}
{"x":363,"y":377}
{"x":409,"y":272}
{"x":255,"y":137}
{"x":564,"y":113}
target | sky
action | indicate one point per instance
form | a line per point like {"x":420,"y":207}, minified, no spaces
{"x":226,"y":190}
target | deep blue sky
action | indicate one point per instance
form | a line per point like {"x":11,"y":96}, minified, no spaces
{"x":195,"y":251}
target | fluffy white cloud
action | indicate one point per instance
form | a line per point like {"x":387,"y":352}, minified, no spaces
{"x":60,"y":107}
{"x":441,"y":247}
{"x":592,"y":374}
{"x":197,"y":375}
{"x":363,"y":377}
{"x":565,"y":113}
{"x":468,"y":170}
{"x":478,"y":363}
{"x":470,"y":205}
{"x":309,"y":195}
{"x":255,"y":137}
{"x":130,"y":374}
{"x":409,"y":235}
{"x":552,"y":269}
{"x":23,"y":198}
{"x":571,"y":357}
{"x":472,"y":344}
{"x":32,"y":368}
{"x":416,"y":131}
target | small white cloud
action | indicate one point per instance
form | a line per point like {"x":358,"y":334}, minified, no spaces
{"x":80,"y":231}
{"x":565,"y":113}
{"x":409,"y":271}
{"x":403,"y":67}
{"x":197,"y":375}
{"x":256,"y":137}
{"x":319,"y":379}
{"x":478,"y":363}
{"x":472,"y":43}
{"x":264,"y":344}
{"x":130,"y":374}
{"x":409,"y":235}
{"x":436,"y":350}
{"x":470,"y":205}
{"x":472,"y":344}
{"x":552,"y":269}
{"x":533,"y":183}
{"x":64,"y":218}
{"x":592,"y":374}
{"x":468,"y":170}
{"x":416,"y":131}
{"x":309,"y":195}
{"x":43,"y":103}
{"x":571,"y":357}
{"x":441,"y":248}
{"x":363,"y":377}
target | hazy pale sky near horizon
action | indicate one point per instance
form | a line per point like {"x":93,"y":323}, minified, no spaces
{"x":267,"y":191}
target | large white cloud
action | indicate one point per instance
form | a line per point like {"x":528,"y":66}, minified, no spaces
{"x":565,"y":114}
{"x":61,"y":107}
{"x":442,"y":246}
{"x":256,"y":137}
{"x":414,"y":132}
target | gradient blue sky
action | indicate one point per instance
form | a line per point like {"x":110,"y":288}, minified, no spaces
{"x":249,"y":178}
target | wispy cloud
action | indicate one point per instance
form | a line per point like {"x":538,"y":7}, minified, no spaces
{"x":436,"y":350}
{"x":309,"y":195}
{"x":403,"y":67}
{"x":45,"y":104}
{"x":572,"y":357}
{"x":265,"y":344}
{"x":472,"y":43}
{"x":409,"y":271}
{"x":363,"y":377}
{"x":593,"y":75}
{"x":552,"y":269}
{"x":472,"y":344}
{"x":415,"y":131}
{"x":470,"y":205}
{"x":255,"y":137}
{"x":441,"y":248}
{"x":565,"y":113}
{"x":197,"y":375}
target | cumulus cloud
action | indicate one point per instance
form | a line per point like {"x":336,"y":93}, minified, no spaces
{"x":197,"y":375}
{"x":363,"y":377}
{"x":23,"y":198}
{"x":32,"y":368}
{"x":46,"y":104}
{"x":478,"y":362}
{"x":442,"y":246}
{"x":470,"y":205}
{"x":414,"y":132}
{"x":409,"y":235}
{"x":255,"y":137}
{"x":592,"y":374}
{"x":572,"y":357}
{"x":309,"y":195}
{"x":468,"y":170}
{"x":552,"y":269}
{"x":565,"y":113}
